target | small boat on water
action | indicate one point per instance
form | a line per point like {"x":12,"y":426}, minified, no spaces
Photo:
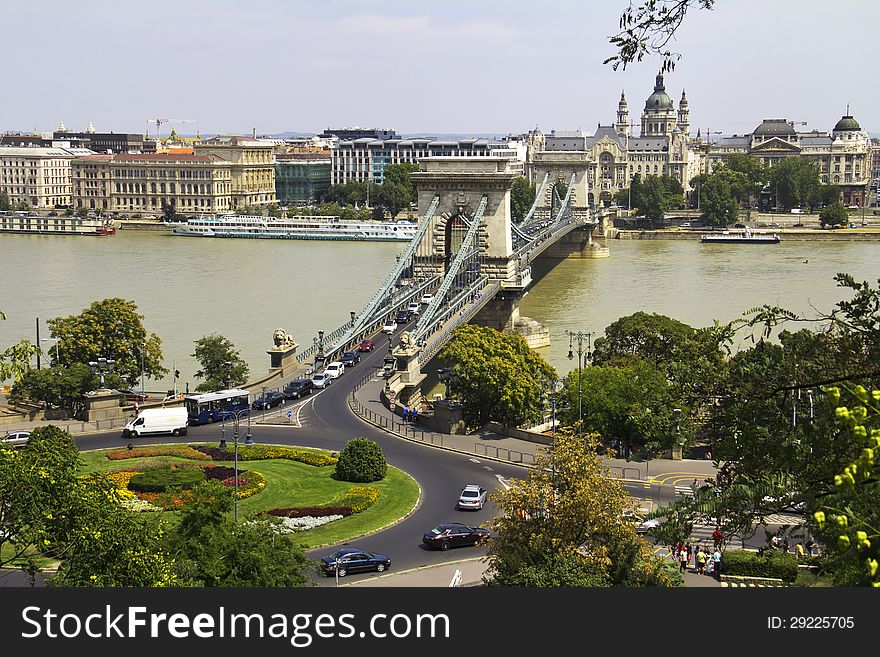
{"x":744,"y":236}
{"x":38,"y":225}
{"x":297,"y":228}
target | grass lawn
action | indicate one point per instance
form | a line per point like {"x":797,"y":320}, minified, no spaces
{"x":294,"y":484}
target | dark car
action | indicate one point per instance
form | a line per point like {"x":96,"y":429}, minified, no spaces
{"x":739,"y":225}
{"x":403,"y":316}
{"x":298,"y":388}
{"x":366,"y":345}
{"x":134,"y":395}
{"x":269,"y":400}
{"x":352,"y":560}
{"x":454,"y":535}
{"x":349,"y":358}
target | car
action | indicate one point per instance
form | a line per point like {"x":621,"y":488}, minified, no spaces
{"x":686,"y":224}
{"x":739,"y":225}
{"x":321,"y":380}
{"x":352,"y":560}
{"x":134,"y":395}
{"x":298,"y":388}
{"x":799,"y":224}
{"x":641,"y":525}
{"x":390,"y":326}
{"x":403,"y":316}
{"x":366,"y":345}
{"x":15,"y":438}
{"x":426,"y":299}
{"x":270,"y":400}
{"x":335,"y":369}
{"x":453,"y":535}
{"x":350,"y":358}
{"x":414,"y":308}
{"x":472,"y":497}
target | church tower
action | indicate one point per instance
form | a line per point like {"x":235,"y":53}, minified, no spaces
{"x":622,"y":125}
{"x":684,"y":120}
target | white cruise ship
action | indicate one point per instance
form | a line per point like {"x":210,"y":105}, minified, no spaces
{"x":296,"y":228}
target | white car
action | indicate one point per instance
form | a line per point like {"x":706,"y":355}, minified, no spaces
{"x":390,"y":326}
{"x":321,"y":380}
{"x":414,"y":307}
{"x":334,"y":370}
{"x":15,"y":438}
{"x":426,"y":299}
{"x":472,"y":497}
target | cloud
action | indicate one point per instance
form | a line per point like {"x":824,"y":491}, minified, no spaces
{"x":424,"y":29}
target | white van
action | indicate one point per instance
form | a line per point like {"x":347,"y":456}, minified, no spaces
{"x":157,"y":420}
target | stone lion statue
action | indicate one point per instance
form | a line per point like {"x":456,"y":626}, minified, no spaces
{"x":406,"y":340}
{"x":282,"y":339}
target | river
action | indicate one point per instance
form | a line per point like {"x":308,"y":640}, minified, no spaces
{"x":243,"y":289}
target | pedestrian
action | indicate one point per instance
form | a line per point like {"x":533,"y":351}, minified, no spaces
{"x":682,"y":560}
{"x":710,"y":566}
{"x":701,"y":562}
{"x":690,"y":551}
{"x":716,"y":557}
{"x":415,"y":414}
{"x":809,"y":547}
{"x":785,"y":545}
{"x":405,"y":413}
{"x":799,"y":551}
{"x":717,"y":536}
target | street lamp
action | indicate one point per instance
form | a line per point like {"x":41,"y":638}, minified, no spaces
{"x":235,"y":417}
{"x":580,"y":337}
{"x":352,"y":313}
{"x":102,"y":366}
{"x":447,"y":375}
{"x":143,"y":347}
{"x":57,"y":360}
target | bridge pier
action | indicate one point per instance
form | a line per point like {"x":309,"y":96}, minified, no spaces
{"x":407,"y":380}
{"x":577,"y":244}
{"x":502,"y":314}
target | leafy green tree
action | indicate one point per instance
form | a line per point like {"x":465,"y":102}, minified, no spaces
{"x":15,"y":361}
{"x":221,"y":364}
{"x":209,"y":549}
{"x":796,"y":181}
{"x":82,"y":213}
{"x":652,"y":201}
{"x":522,"y":196}
{"x":673,"y":192}
{"x":755,"y":173}
{"x":5,"y":205}
{"x":719,"y":196}
{"x":564,"y":525}
{"x":499,"y":377}
{"x":361,"y":460}
{"x":393,"y":196}
{"x":655,"y":338}
{"x":828,"y":195}
{"x":58,"y":386}
{"x":834,"y":215}
{"x":111,"y":329}
{"x":633,"y":404}
{"x":401,"y":174}
{"x":621,"y":198}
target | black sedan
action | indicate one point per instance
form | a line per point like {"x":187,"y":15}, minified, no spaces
{"x":454,"y":535}
{"x":352,"y":560}
{"x":269,"y":400}
{"x":298,"y":388}
{"x":350,"y":358}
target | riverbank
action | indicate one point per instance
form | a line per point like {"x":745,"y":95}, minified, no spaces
{"x":785,"y":234}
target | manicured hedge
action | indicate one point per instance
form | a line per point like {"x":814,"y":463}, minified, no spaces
{"x":773,"y":563}
{"x":158,"y":480}
{"x":362,"y":461}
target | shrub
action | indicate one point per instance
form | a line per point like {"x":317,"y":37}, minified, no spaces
{"x":360,"y":498}
{"x":772,"y":563}
{"x":158,"y":480}
{"x":263,"y":452}
{"x":361,"y":460}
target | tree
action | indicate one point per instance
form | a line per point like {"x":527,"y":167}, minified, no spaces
{"x":394,"y":197}
{"x":82,"y":213}
{"x":499,"y":377}
{"x":15,"y":361}
{"x":221,"y":364}
{"x":111,"y":329}
{"x":797,"y":183}
{"x":400,"y":174}
{"x":652,"y":201}
{"x":755,"y":173}
{"x":361,"y":460}
{"x":57,"y":386}
{"x":562,"y":526}
{"x":719,"y":196}
{"x":5,"y":205}
{"x":648,"y":28}
{"x":209,"y":549}
{"x":834,"y":215}
{"x":522,"y":196}
{"x":633,"y":404}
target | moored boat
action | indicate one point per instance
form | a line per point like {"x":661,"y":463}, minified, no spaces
{"x":744,"y":236}
{"x":300,"y":227}
{"x":38,"y":225}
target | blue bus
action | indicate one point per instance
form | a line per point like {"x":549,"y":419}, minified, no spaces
{"x":216,"y":406}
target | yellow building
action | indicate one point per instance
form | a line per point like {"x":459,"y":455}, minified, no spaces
{"x":253,"y":167}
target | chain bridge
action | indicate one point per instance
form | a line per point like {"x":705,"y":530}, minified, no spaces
{"x":468,"y":255}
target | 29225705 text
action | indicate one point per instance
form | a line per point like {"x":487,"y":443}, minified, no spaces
{"x":811,"y":623}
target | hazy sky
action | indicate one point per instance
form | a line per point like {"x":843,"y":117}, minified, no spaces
{"x":474,"y":66}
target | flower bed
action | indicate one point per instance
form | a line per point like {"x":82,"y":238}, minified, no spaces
{"x":314,"y":511}
{"x":264,"y":452}
{"x":249,"y":483}
{"x":360,"y":498}
{"x":158,"y":480}
{"x":291,"y":525}
{"x":181,"y":451}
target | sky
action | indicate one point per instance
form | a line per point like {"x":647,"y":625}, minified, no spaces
{"x":449,"y":66}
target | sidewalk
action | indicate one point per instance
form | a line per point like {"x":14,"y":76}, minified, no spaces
{"x":493,"y":446}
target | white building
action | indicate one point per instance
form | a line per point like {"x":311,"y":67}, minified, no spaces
{"x":38,"y":176}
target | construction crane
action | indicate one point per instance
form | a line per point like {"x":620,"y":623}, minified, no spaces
{"x":159,"y":122}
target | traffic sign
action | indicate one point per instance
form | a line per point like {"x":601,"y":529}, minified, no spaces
{"x":289,"y":414}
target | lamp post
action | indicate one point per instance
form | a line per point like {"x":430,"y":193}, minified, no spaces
{"x":579,"y":337}
{"x":447,"y":375}
{"x":57,"y":361}
{"x":102,"y":366}
{"x":352,"y":313}
{"x":143,"y":347}
{"x":235,"y":418}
